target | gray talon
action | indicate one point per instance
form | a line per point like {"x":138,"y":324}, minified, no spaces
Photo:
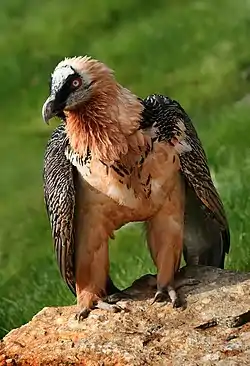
{"x":160,"y":296}
{"x":83,"y":314}
{"x":177,"y":303}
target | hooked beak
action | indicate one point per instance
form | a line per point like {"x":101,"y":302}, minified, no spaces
{"x":48,"y":110}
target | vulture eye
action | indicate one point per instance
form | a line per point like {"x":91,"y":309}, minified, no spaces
{"x":76,"y":83}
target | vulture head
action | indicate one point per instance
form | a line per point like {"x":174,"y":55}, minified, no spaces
{"x":74,"y":82}
{"x":100,"y":114}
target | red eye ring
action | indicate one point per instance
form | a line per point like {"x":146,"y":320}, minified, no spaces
{"x":76,"y":83}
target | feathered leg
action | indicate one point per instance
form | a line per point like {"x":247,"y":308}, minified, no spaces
{"x":165,"y":241}
{"x":92,"y":265}
{"x":91,"y":262}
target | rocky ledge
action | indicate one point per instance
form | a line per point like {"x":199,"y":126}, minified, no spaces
{"x":212,"y":329}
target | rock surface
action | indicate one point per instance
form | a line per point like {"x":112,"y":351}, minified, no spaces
{"x":213,"y":329}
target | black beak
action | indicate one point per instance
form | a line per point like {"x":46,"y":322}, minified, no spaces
{"x":48,"y":110}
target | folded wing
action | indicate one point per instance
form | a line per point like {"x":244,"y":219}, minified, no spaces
{"x":206,"y":236}
{"x":59,"y":193}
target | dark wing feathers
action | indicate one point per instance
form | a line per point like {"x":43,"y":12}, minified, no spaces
{"x":164,"y":114}
{"x":59,"y":193}
{"x":195,"y":169}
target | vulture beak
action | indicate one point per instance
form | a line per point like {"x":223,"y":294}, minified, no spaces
{"x":48,"y":110}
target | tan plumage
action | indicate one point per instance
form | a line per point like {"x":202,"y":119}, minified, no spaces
{"x":120,"y":159}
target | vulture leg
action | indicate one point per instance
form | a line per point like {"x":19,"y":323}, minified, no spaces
{"x":165,"y":241}
{"x":92,"y":266}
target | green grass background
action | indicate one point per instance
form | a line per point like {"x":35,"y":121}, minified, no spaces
{"x":196,"y":51}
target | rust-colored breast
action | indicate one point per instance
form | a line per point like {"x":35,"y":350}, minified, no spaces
{"x":138,"y":183}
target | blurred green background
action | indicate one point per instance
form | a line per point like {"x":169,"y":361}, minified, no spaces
{"x":195,"y":51}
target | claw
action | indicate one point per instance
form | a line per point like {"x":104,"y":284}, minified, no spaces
{"x":83,"y":314}
{"x":171,"y":291}
{"x":177,"y":303}
{"x":118,"y":296}
{"x":159,"y":297}
{"x":162,"y":294}
{"x":174,"y":297}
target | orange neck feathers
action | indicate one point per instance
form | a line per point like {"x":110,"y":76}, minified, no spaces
{"x":106,"y":123}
